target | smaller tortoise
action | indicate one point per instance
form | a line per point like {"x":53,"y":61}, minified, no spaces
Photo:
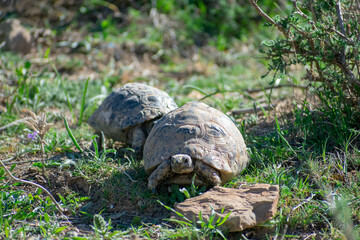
{"x":129,"y":113}
{"x":194,"y":138}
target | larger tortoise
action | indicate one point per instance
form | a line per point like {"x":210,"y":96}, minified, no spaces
{"x":128,"y":113}
{"x":194,"y":138}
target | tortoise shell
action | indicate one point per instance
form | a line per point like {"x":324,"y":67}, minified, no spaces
{"x":128,"y":106}
{"x":203,"y":133}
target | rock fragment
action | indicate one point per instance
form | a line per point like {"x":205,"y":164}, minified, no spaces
{"x":16,"y":37}
{"x":249,"y":205}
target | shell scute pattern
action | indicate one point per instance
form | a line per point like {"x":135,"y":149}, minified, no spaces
{"x":129,"y":106}
{"x":203,"y":133}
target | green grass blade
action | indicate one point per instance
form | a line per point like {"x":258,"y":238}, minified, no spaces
{"x":60,"y":229}
{"x":185,"y":192}
{"x":67,"y":99}
{"x":220,"y":221}
{"x":181,"y":223}
{"x":71,"y":135}
{"x":96,"y":147}
{"x":208,"y":95}
{"x":176,"y":212}
{"x":283,"y":138}
{"x":82,"y":107}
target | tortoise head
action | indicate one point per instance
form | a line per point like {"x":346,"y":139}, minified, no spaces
{"x":181,"y":164}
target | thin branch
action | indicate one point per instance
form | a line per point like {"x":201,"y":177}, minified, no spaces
{"x":302,"y":14}
{"x":12,"y":124}
{"x":270,"y":20}
{"x":304,"y":34}
{"x":298,"y":10}
{"x":252,"y":110}
{"x":19,"y":154}
{"x":343,"y":65}
{"x":340,"y":18}
{"x":276,"y":86}
{"x":61,"y":210}
{"x":267,"y":17}
{"x":21,"y":162}
{"x":313,"y":11}
{"x":350,"y":41}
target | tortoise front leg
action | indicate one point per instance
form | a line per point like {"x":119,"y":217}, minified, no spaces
{"x":161,"y":173}
{"x":138,"y":140}
{"x":209,"y":174}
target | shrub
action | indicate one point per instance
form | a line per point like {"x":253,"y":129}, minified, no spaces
{"x":325,"y":37}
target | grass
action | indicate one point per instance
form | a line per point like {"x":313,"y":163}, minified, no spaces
{"x":312,"y":154}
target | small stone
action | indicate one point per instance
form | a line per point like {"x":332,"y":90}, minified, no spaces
{"x":249,"y":205}
{"x":17,"y":38}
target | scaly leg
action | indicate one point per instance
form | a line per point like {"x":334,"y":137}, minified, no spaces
{"x":209,"y":174}
{"x":162,"y":172}
{"x":138,"y":137}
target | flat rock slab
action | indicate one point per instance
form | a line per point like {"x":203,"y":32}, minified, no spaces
{"x":249,"y":205}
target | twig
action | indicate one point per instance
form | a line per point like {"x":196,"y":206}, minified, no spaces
{"x":342,"y":61}
{"x":12,"y":124}
{"x":298,"y":10}
{"x":21,"y":162}
{"x":19,"y":154}
{"x":350,"y":41}
{"x":276,"y":86}
{"x":123,"y":171}
{"x":251,"y":109}
{"x":340,"y":18}
{"x":267,"y":17}
{"x":61,"y":210}
{"x":302,"y":14}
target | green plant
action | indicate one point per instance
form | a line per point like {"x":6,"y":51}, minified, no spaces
{"x":104,"y":152}
{"x":26,"y":91}
{"x":49,"y":228}
{"x":194,"y":190}
{"x":198,"y":229}
{"x":82,"y":107}
{"x":73,"y":201}
{"x":102,"y":228}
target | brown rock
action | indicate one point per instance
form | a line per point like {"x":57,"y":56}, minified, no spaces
{"x":17,"y":38}
{"x":249,"y":205}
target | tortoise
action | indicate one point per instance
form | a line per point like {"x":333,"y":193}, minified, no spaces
{"x":194,"y":138}
{"x":128,"y":114}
